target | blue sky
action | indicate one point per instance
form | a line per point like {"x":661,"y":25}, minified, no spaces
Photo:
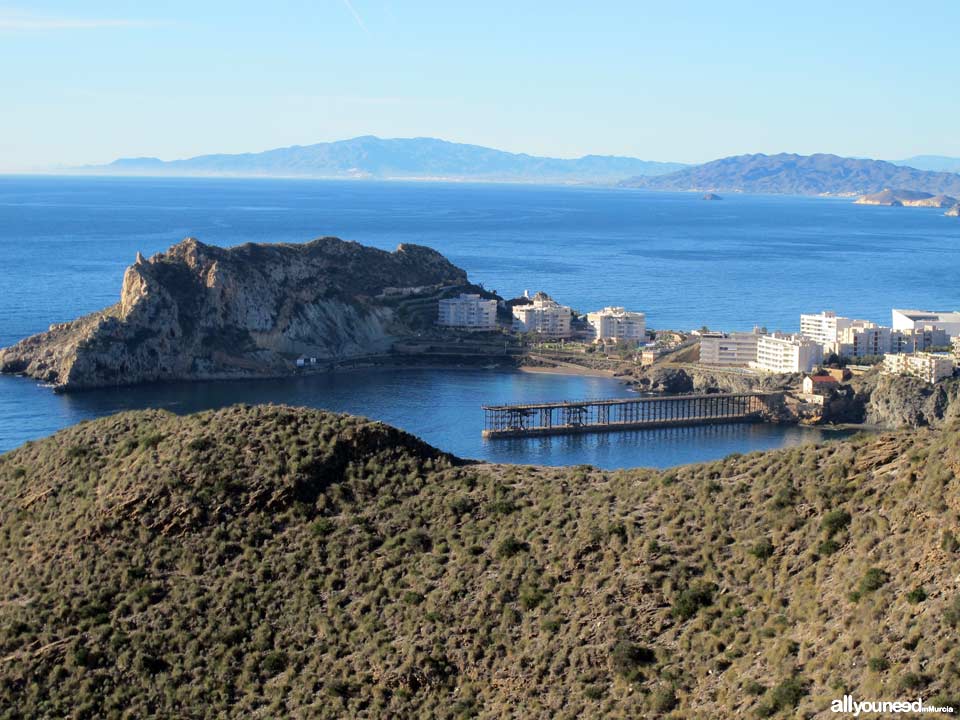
{"x":685,"y":81}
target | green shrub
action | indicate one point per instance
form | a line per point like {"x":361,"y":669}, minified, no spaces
{"x":873,"y":579}
{"x":952,"y":614}
{"x":754,"y":688}
{"x":689,"y":601}
{"x":828,"y":547}
{"x":530,"y":597}
{"x":787,"y":695}
{"x":663,"y":700}
{"x":628,"y":657}
{"x":762,"y":550}
{"x":511,"y":546}
{"x":917,"y":595}
{"x":835,"y":521}
{"x":878,"y":664}
{"x":274,"y":663}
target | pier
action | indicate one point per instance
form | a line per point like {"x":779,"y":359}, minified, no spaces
{"x":561,"y":418}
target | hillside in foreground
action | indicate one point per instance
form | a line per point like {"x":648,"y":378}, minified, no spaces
{"x":279,"y":562}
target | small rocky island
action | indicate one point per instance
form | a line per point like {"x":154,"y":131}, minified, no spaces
{"x":712,"y":196}
{"x":953,"y":212}
{"x":203,"y":312}
{"x":906,"y":198}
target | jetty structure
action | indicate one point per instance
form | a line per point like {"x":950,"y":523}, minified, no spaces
{"x":569,"y":416}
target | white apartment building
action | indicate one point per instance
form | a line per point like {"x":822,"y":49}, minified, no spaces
{"x":618,"y":325}
{"x":787,"y":354}
{"x":824,"y":327}
{"x":929,"y":367}
{"x":913,"y":319}
{"x":918,"y":339}
{"x":861,"y":338}
{"x":468,"y":311}
{"x":736,"y":348}
{"x":543,"y":316}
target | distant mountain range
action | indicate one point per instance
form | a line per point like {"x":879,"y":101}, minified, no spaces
{"x":373,"y":157}
{"x":937,"y":163}
{"x":800,"y":175}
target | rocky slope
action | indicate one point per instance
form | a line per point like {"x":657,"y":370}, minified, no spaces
{"x":278,"y":562}
{"x":197,"y":311}
{"x":903,"y":402}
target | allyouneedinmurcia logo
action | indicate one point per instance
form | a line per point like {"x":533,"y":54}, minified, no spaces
{"x":855,"y":707}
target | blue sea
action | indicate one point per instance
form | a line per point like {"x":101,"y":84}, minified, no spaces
{"x":745,"y":260}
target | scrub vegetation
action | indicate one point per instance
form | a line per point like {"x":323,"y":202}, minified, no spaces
{"x":279,"y":562}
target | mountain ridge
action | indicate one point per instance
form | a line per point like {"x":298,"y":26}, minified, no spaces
{"x":368,"y":156}
{"x":790,"y":173}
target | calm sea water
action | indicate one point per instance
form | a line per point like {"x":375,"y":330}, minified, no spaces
{"x":64,"y":243}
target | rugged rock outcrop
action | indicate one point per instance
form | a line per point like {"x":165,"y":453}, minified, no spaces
{"x":902,"y":402}
{"x":954,"y":211}
{"x":675,"y":379}
{"x":197,"y":311}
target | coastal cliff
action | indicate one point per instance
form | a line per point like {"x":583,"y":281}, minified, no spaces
{"x":200,"y":312}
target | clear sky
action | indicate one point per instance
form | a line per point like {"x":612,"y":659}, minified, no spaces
{"x":684,"y":81}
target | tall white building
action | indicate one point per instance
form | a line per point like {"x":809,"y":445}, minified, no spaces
{"x":929,"y":367}
{"x":824,"y":327}
{"x":913,"y":319}
{"x":787,"y":354}
{"x":736,"y":348}
{"x":543,"y":316}
{"x":618,"y":325}
{"x":468,"y":311}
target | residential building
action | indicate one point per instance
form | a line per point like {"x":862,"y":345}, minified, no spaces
{"x":930,"y":367}
{"x":543,"y":316}
{"x":918,"y":339}
{"x":787,"y":353}
{"x":956,"y":348}
{"x":736,"y":348}
{"x":468,"y":311}
{"x":913,"y":319}
{"x":617,"y":325}
{"x":861,"y":338}
{"x":819,"y":384}
{"x":824,"y":327}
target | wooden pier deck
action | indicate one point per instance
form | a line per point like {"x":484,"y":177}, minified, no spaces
{"x":560,"y":418}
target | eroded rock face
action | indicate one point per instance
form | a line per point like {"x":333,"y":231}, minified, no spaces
{"x":897,"y":402}
{"x":197,"y":311}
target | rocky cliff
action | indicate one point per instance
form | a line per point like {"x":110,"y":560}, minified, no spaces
{"x":903,"y":402}
{"x":197,"y":311}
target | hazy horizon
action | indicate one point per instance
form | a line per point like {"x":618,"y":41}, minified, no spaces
{"x":667,"y":84}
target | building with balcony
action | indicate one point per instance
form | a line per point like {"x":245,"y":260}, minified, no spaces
{"x":787,"y":353}
{"x":731,"y":349}
{"x":467,"y":311}
{"x":615,"y":324}
{"x":543,"y":316}
{"x":929,"y":367}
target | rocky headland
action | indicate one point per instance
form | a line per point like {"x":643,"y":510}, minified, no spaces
{"x":906,"y":198}
{"x":203,"y":312}
{"x":954,"y":211}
